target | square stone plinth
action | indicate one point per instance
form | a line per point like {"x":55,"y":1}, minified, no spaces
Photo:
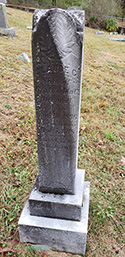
{"x":58,"y":234}
{"x":59,"y":206}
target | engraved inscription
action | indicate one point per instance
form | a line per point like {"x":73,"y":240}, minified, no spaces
{"x":57,"y":66}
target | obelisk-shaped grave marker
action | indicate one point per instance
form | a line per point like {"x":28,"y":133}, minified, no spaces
{"x":60,"y":191}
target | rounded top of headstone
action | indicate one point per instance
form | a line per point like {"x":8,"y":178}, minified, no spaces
{"x":2,"y":4}
{"x":76,"y":15}
{"x":61,"y":27}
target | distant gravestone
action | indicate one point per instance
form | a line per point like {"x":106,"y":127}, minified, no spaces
{"x":4,"y":25}
{"x":3,"y":1}
{"x":56,"y":213}
{"x":29,"y":27}
{"x":118,"y":39}
{"x":99,"y":32}
{"x":23,"y":57}
{"x":3,"y":16}
{"x":113,"y":33}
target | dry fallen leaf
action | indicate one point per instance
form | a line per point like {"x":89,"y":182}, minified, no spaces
{"x":83,"y":128}
{"x":1,"y":253}
{"x":16,"y":241}
{"x":6,"y":249}
{"x":45,"y":254}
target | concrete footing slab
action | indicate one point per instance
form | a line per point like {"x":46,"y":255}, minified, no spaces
{"x":59,"y":206}
{"x":7,"y":32}
{"x":58,"y":234}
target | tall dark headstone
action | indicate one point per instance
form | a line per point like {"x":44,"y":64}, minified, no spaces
{"x":60,"y":193}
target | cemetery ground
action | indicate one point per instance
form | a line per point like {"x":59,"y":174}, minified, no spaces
{"x":100,"y":141}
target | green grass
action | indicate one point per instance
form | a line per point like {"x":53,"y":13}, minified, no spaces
{"x":101,"y":137}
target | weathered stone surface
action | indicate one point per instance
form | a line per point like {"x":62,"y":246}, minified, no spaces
{"x":56,"y":213}
{"x":29,"y":27}
{"x":58,"y":206}
{"x":57,"y":44}
{"x":7,"y":32}
{"x":3,"y":16}
{"x":4,"y":25}
{"x":3,"y":1}
{"x":79,"y":17}
{"x":61,"y":235}
{"x":23,"y":57}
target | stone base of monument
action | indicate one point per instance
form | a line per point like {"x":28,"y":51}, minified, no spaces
{"x":7,"y":32}
{"x":62,"y":206}
{"x":62,"y":234}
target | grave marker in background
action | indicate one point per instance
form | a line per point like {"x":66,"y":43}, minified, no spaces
{"x":117,"y":39}
{"x":4,"y":25}
{"x":3,"y":1}
{"x":56,"y":213}
{"x":3,"y":16}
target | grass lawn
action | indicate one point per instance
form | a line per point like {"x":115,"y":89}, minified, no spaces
{"x":101,"y":148}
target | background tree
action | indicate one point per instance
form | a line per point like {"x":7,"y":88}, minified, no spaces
{"x":98,"y":7}
{"x":54,"y":2}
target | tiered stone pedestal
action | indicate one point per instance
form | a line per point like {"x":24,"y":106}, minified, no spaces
{"x":59,"y":221}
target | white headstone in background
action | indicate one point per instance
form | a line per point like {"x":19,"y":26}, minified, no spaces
{"x":3,"y":1}
{"x":3,"y":16}
{"x":4,"y":24}
{"x":23,"y":57}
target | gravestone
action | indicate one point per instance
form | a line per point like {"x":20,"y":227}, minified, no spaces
{"x":56,"y":213}
{"x":117,"y":39}
{"x":3,"y":1}
{"x":3,"y":16}
{"x":99,"y":32}
{"x":4,"y":25}
{"x":23,"y":57}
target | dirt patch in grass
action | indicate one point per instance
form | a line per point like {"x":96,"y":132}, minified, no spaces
{"x":101,"y":148}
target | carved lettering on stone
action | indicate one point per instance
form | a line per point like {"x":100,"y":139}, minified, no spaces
{"x":57,"y":65}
